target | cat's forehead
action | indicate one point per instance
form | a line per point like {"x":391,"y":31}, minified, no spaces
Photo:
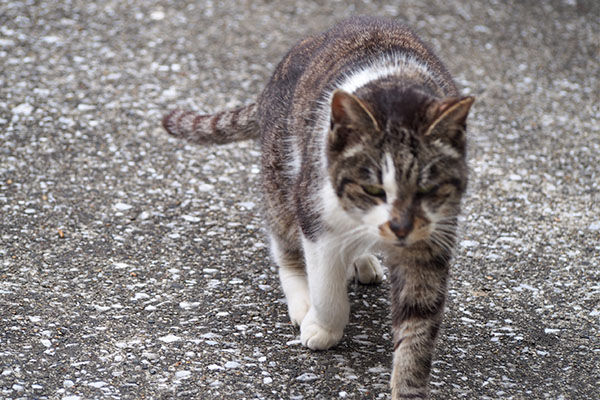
{"x":417,"y":161}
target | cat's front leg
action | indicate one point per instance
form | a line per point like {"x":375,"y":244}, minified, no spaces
{"x":327,"y":317}
{"x":418,"y":297}
{"x":368,"y":270}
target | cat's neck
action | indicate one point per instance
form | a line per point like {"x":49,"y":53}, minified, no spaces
{"x":400,"y":67}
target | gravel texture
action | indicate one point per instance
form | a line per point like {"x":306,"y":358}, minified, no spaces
{"x":133,"y":265}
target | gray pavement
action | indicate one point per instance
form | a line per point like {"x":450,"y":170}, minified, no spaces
{"x":134,"y":266}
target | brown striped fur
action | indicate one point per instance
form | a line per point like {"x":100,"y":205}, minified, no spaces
{"x":220,"y":128}
{"x":363,"y":137}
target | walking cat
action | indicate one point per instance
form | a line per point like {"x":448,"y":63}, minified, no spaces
{"x":363,"y":143}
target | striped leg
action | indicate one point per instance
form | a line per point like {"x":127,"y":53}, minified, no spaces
{"x":418,"y":297}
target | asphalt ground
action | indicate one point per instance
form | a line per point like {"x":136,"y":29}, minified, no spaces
{"x":133,"y":265}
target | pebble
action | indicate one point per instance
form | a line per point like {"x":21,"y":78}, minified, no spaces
{"x":307,"y":377}
{"x":23,"y":109}
{"x":122,"y":206}
{"x":183,"y":374}
{"x":232,"y":364}
{"x":169,"y":338}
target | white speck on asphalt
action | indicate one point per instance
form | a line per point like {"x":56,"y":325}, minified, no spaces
{"x":123,"y":206}
{"x":183,"y":374}
{"x":307,"y":377}
{"x":232,"y":364}
{"x":23,"y":109}
{"x":169,"y":338}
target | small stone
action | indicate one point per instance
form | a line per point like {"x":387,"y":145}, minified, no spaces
{"x":248,"y":205}
{"x":307,"y":377}
{"x":157,"y":15}
{"x":183,"y":374}
{"x":86,"y":107}
{"x":169,"y":338}
{"x":23,"y":109}
{"x":122,"y":206}
{"x":232,"y":364}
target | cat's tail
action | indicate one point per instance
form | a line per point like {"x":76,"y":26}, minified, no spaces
{"x":220,"y":128}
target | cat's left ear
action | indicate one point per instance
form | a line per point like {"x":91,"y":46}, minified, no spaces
{"x":449,"y":115}
{"x":349,"y":110}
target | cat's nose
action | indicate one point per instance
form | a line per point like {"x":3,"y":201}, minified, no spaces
{"x":401,"y":228}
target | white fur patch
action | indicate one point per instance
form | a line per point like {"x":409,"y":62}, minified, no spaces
{"x":389,"y":179}
{"x":402,"y":65}
{"x":334,"y":214}
{"x":378,"y":215}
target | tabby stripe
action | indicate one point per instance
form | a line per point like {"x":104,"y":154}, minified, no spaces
{"x":340,"y":188}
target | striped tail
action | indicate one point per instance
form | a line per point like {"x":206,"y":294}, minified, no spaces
{"x":220,"y":128}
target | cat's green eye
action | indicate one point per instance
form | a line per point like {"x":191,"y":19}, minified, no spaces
{"x":374,"y":190}
{"x":426,"y":190}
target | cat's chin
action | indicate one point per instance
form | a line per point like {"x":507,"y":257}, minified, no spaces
{"x":404,"y":243}
{"x":387,"y":242}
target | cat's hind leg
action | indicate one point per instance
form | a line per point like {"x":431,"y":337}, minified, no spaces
{"x":368,"y":269}
{"x":292,"y":274}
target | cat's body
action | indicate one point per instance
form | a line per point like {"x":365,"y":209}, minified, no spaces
{"x":363,"y":150}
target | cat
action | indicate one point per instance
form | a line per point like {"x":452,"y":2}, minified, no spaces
{"x":363,"y":139}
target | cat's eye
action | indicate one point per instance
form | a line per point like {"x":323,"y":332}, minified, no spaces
{"x":374,"y":190}
{"x":426,"y":190}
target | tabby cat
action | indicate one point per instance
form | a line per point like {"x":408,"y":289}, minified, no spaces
{"x":363,"y":144}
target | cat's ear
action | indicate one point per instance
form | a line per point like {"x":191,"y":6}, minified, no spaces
{"x":351,"y":121}
{"x":348,"y":110}
{"x":448,"y":121}
{"x":449,"y":114}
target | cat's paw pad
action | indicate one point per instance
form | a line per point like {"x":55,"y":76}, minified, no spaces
{"x":297,"y":309}
{"x":369,"y":270}
{"x":317,"y":337}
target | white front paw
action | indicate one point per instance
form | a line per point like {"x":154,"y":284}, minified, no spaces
{"x":297,"y":308}
{"x":368,"y":269}
{"x":315,"y":336}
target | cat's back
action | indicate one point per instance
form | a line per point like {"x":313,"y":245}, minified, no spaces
{"x":316,"y":65}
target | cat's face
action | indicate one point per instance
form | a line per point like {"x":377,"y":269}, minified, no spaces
{"x":402,"y":181}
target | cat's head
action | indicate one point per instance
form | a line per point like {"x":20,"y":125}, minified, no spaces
{"x":396,"y":159}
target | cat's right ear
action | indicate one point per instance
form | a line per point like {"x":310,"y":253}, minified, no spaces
{"x":350,"y":120}
{"x":449,"y":118}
